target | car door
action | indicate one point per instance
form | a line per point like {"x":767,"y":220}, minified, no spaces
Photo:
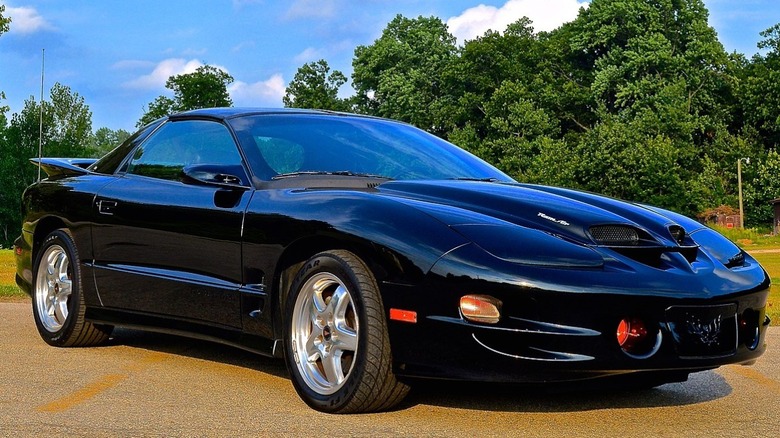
{"x":164,"y":245}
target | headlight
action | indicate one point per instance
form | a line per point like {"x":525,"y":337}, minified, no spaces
{"x":718,"y":247}
{"x":527,"y":246}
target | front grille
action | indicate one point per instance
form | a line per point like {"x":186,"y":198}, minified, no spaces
{"x":614,"y":235}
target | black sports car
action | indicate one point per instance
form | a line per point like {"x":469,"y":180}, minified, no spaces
{"x":368,"y":253}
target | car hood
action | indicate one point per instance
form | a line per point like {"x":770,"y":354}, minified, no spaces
{"x":565,"y":213}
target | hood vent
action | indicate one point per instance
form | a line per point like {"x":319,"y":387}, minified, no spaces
{"x":614,"y":235}
{"x":678,"y":234}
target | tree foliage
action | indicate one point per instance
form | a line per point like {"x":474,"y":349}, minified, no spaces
{"x":4,"y":21}
{"x":635,"y":99}
{"x":315,"y":86}
{"x":399,"y":76}
{"x":67,"y":132}
{"x":206,"y":87}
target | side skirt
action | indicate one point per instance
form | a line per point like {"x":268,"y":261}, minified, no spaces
{"x":181,"y":327}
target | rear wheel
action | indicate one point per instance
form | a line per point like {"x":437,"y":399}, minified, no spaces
{"x":337,"y":347}
{"x":58,"y":304}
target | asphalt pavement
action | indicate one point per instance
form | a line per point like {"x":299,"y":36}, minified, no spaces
{"x":152,"y":385}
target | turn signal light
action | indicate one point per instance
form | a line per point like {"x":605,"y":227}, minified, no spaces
{"x":403,"y":315}
{"x":481,"y":308}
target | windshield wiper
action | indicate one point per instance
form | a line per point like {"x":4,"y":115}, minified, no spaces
{"x":491,"y":179}
{"x":329,"y":173}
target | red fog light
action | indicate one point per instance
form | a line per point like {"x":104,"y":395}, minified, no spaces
{"x":481,"y":308}
{"x":631,"y":332}
{"x":636,"y":340}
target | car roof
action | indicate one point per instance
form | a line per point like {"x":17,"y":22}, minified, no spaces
{"x":231,"y":112}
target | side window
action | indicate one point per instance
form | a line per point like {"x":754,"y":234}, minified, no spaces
{"x":177,"y":145}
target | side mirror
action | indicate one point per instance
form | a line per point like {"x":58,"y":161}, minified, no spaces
{"x":215,"y":175}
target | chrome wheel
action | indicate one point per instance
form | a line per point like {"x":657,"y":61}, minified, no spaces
{"x":324,"y":333}
{"x":53,"y":288}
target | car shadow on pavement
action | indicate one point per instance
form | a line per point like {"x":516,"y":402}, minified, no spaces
{"x":198,"y":349}
{"x":700,"y":387}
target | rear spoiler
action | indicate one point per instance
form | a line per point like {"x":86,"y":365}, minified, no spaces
{"x":64,"y":166}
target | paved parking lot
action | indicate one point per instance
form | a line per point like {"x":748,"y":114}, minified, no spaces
{"x":146,"y":384}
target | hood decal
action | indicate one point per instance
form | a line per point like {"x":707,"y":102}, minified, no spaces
{"x":552,"y":219}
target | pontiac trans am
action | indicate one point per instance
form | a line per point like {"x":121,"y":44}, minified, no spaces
{"x":368,"y":254}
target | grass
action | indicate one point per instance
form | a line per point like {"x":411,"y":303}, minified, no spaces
{"x":8,"y":287}
{"x":750,"y":240}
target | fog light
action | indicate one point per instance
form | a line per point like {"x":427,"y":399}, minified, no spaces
{"x":481,"y":308}
{"x":631,"y":332}
{"x":636,"y":340}
{"x":749,"y":332}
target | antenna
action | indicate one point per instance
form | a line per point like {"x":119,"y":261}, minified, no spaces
{"x":40,"y":123}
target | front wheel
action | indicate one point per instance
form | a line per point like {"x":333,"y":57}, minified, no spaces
{"x":337,"y":347}
{"x":58,"y":304}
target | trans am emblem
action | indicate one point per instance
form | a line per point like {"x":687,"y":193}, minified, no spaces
{"x":552,"y":219}
{"x":708,"y":333}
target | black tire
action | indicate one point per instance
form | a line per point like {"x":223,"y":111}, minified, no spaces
{"x":57,"y":301}
{"x":336,"y":343}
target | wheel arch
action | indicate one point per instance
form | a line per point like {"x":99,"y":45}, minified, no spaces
{"x":43,"y":228}
{"x":382,"y":262}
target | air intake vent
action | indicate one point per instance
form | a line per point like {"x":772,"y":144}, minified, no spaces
{"x":614,"y":235}
{"x":678,"y":233}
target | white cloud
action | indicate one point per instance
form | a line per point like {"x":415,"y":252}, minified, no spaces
{"x":164,"y":69}
{"x":546,"y":16}
{"x":308,"y":55}
{"x":261,"y":93}
{"x":26,"y":20}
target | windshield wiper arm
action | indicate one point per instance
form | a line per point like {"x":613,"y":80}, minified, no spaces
{"x":328,"y":173}
{"x":491,"y":179}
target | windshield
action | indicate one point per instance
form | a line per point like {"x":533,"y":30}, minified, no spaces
{"x":293,"y":144}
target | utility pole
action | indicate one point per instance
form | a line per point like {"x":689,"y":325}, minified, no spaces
{"x":739,"y":186}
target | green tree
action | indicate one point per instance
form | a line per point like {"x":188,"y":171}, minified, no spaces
{"x":67,"y":130}
{"x":399,"y":75}
{"x":106,"y":139}
{"x":204,"y":88}
{"x":4,"y":21}
{"x":761,"y":185}
{"x":315,"y":86}
{"x":4,"y":26}
{"x":760,"y":89}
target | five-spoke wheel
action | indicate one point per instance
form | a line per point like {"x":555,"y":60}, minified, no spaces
{"x":53,"y":287}
{"x":58,"y":304}
{"x":335,"y":322}
{"x":324,"y":333}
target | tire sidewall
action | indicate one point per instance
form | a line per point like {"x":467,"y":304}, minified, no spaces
{"x":61,"y":336}
{"x":326,"y":262}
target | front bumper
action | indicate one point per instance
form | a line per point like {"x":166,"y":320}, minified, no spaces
{"x":561,"y":325}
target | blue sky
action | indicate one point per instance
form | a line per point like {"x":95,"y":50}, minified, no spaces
{"x":118,"y":54}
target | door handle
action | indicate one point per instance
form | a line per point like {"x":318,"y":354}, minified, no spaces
{"x":106,"y":207}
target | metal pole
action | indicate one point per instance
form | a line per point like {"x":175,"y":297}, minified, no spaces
{"x":739,"y":186}
{"x":40,"y":123}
